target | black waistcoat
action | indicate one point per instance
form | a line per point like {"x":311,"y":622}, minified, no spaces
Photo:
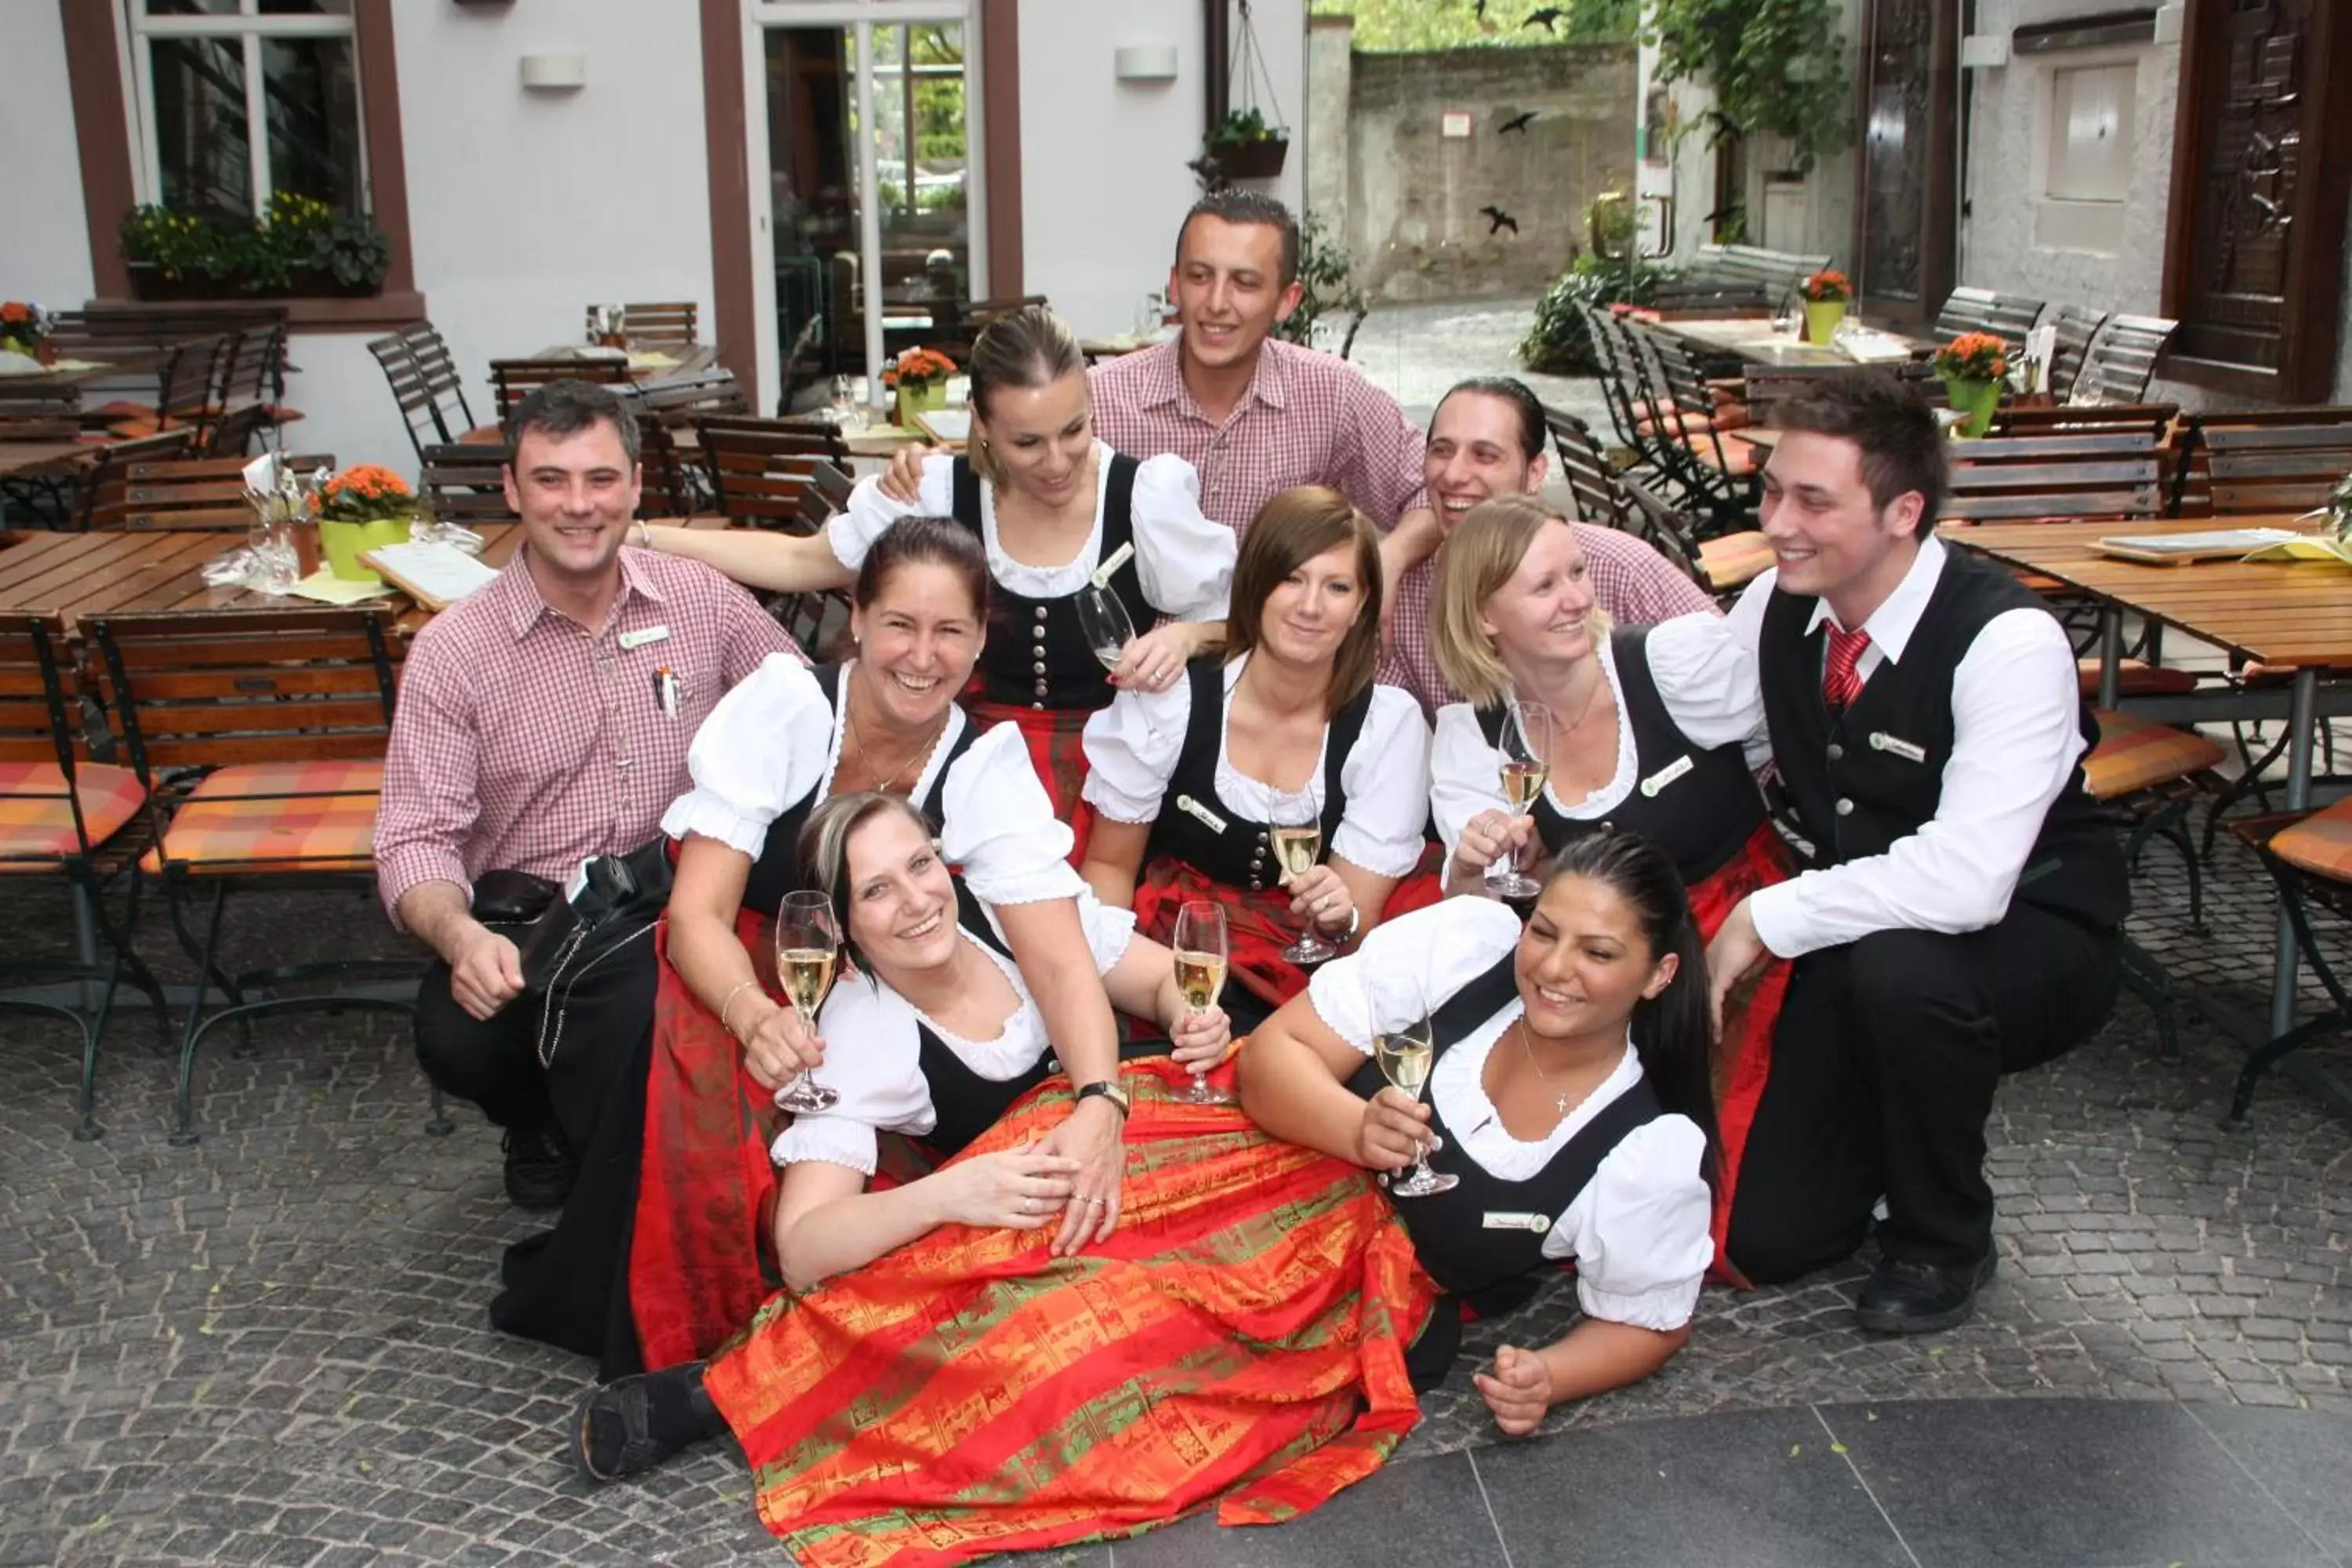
{"x":967,"y":1104}
{"x":1037,"y":654}
{"x":1699,"y":807}
{"x":777,"y":871}
{"x":1241,"y":853}
{"x":1864,"y":777}
{"x":1493,"y":1269}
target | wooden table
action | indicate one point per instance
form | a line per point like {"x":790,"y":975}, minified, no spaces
{"x":2281,"y":613}
{"x":25,"y":460}
{"x":692,"y":359}
{"x":1755,"y":341}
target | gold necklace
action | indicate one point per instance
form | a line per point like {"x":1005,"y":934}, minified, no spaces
{"x":922,"y":747}
{"x":1558,"y":1100}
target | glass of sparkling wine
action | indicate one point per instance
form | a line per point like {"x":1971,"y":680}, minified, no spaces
{"x":808,"y":945}
{"x":1404,"y":1054}
{"x":1200,"y":957}
{"x":1525,"y":744}
{"x":1104,"y":621}
{"x":1298,"y":845}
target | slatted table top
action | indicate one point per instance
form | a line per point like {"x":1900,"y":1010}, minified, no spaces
{"x":1755,"y":341}
{"x":2276,"y":613}
{"x":18,"y":458}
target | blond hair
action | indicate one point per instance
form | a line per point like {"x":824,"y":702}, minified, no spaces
{"x":1486,"y":549}
{"x":1025,"y":348}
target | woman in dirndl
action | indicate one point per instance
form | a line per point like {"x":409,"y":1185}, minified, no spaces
{"x":931,"y":1382}
{"x":1053,"y":507}
{"x":1287,"y":729}
{"x":1516,"y":621}
{"x":782,"y":740}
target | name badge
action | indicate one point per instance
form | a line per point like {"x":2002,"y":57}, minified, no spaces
{"x":1505,"y":1219}
{"x":1201,"y":814}
{"x":1880,"y":740}
{"x":1668,"y":774}
{"x":641,"y":637}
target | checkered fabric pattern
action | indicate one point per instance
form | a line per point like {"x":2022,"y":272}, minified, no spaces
{"x":1733,"y":560}
{"x":2321,"y":843}
{"x":2138,"y":678}
{"x":1637,"y":586}
{"x":2135,"y":754}
{"x":275,"y":817}
{"x":1308,"y":418}
{"x":37,"y":825}
{"x":526,"y":743}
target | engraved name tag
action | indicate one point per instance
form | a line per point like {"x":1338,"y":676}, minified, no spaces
{"x":643,"y":635}
{"x":1880,"y":740}
{"x":1668,"y":774}
{"x":1506,"y":1219}
{"x":1193,"y":808}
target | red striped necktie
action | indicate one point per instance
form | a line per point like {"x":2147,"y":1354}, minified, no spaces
{"x":1840,"y":677}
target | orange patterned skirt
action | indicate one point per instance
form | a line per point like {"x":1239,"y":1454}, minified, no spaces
{"x":1240,"y":1342}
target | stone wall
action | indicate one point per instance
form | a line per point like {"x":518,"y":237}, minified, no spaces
{"x":1408,"y":198}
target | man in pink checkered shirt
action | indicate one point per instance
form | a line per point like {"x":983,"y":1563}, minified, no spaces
{"x":1485,"y":440}
{"x":542,"y":721}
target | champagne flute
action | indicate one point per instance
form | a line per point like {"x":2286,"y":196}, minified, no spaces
{"x":1525,"y":744}
{"x":808,"y":945}
{"x":1201,"y":956}
{"x":1405,"y":1053}
{"x":1104,"y":621}
{"x":1298,"y":845}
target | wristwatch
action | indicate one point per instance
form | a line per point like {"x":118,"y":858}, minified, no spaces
{"x":1105,"y":1089}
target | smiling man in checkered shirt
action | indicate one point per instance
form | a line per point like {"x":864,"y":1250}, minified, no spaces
{"x":542,"y":721}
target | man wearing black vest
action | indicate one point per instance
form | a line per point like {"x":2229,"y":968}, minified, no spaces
{"x":1960,"y":919}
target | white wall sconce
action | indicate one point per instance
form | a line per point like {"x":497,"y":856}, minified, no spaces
{"x":1145,"y":62}
{"x":554,"y":73}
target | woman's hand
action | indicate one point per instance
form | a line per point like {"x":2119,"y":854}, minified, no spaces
{"x":1393,"y":1132}
{"x":1519,"y":1391}
{"x":1198,"y":1039}
{"x":1154,"y":660}
{"x":1488,"y":837}
{"x":1319,"y":895}
{"x":1019,"y":1188}
{"x":778,"y":1048}
{"x":903,"y":481}
{"x":1093,"y":1134}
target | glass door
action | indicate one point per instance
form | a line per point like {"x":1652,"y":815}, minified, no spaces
{"x":871,"y":147}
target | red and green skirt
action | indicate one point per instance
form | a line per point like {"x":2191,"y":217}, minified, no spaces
{"x":1743,"y":1058}
{"x":1057,"y":751}
{"x":1239,"y":1342}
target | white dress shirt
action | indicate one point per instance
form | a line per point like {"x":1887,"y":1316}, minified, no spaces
{"x":2016,"y":737}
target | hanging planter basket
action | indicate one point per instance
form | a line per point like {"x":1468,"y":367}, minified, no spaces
{"x":1248,"y":143}
{"x":1251,"y":160}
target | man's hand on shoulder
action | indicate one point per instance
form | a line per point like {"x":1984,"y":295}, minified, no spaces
{"x":903,"y":482}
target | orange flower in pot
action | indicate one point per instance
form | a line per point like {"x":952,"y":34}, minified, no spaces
{"x":363,"y":507}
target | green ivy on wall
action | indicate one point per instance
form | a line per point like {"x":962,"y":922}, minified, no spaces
{"x":1776,"y":65}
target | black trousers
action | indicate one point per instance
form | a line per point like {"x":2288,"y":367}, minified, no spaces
{"x":1884,"y":1066}
{"x":568,"y":1285}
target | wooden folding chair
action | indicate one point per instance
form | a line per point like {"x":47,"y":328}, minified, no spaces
{"x":424,"y":383}
{"x":2075,"y":326}
{"x":464,"y":482}
{"x":1585,"y":470}
{"x":2121,"y":359}
{"x":200,"y":493}
{"x":2309,"y":858}
{"x":115,"y":461}
{"x":2070,"y":477}
{"x":2005,"y":316}
{"x":516,"y":379}
{"x":1722,"y":565}
{"x":260,"y":739}
{"x":671,"y":323}
{"x":759,"y":467}
{"x":66,"y":815}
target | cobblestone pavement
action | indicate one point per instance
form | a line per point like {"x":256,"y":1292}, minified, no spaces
{"x":272,"y":1347}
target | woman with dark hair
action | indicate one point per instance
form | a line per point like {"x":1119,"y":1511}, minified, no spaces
{"x":1286,"y":730}
{"x":1053,"y":506}
{"x":1567,"y":1096}
{"x":779,"y":743}
{"x":1516,"y":621}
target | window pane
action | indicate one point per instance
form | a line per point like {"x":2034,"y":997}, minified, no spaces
{"x":313,"y":100}
{"x":200,"y":126}
{"x":305,"y":7}
{"x":191,"y":7}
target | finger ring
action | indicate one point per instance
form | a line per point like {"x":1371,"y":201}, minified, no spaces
{"x":1096,"y":1201}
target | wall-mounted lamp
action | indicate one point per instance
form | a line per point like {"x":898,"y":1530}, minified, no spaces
{"x":1145,"y":62}
{"x":554,"y":73}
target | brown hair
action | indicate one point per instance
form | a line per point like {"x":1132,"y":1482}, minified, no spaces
{"x":1029,"y":347}
{"x":1901,"y":449}
{"x":1231,"y":203}
{"x":1288,"y":531}
{"x":1486,"y":549}
{"x":920,"y":540}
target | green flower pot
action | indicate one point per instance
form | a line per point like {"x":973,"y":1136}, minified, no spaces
{"x":1976,"y":399}
{"x":345,"y":542}
{"x":1821,"y":319}
{"x":914,"y":400}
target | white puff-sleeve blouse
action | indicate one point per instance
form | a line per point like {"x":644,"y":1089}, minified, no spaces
{"x":774,"y":739}
{"x":1185,"y":561}
{"x":874,"y":1051}
{"x":1639,"y":1230}
{"x":1132,"y":747}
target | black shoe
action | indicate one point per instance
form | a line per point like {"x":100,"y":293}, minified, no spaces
{"x":540,"y":1167}
{"x":627,"y":1426}
{"x":1902,"y":1296}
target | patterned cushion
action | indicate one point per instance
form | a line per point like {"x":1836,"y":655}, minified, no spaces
{"x":1735,"y":559}
{"x":37,"y":824}
{"x":2134,"y":754}
{"x":1740,"y":457}
{"x":277,"y":816}
{"x":2320,"y":844}
{"x":2138,"y":678}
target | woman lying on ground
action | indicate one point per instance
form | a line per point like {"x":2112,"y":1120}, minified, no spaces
{"x":933,"y":1380}
{"x":1568,"y":1095}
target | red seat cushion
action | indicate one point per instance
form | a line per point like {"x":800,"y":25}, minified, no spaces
{"x":2134,"y":754}
{"x":37,"y":827}
{"x":2138,"y":678}
{"x":2320,"y":844}
{"x":275,"y":817}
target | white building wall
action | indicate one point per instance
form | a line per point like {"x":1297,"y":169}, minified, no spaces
{"x":1103,"y":181}
{"x":45,"y":236}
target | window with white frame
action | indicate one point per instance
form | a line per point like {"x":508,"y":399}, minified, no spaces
{"x":238,"y":99}
{"x":2086,"y":158}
